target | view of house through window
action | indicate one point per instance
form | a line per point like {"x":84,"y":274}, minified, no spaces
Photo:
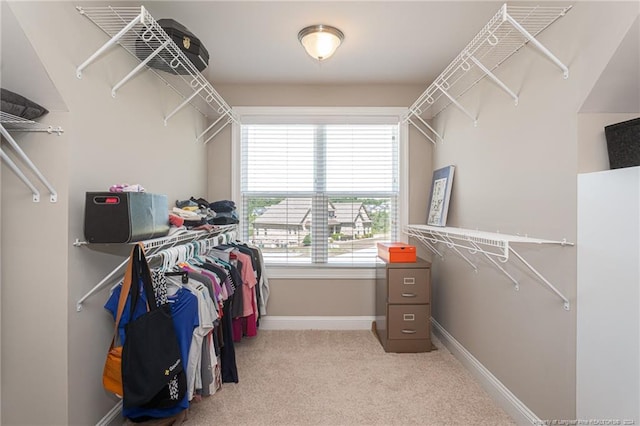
{"x":283,"y":227}
{"x":315,"y":194}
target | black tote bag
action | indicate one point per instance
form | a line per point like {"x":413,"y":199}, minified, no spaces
{"x":152,"y":369}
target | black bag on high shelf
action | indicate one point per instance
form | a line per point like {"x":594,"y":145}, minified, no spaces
{"x":153,"y":374}
{"x":15,"y":104}
{"x":186,"y":41}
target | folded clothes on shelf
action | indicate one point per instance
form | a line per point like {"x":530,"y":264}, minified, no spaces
{"x":125,"y":187}
{"x":223,"y":206}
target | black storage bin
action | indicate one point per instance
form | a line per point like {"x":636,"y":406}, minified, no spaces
{"x":623,"y":143}
{"x":125,"y":217}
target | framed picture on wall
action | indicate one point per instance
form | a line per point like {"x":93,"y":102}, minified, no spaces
{"x":440,"y":194}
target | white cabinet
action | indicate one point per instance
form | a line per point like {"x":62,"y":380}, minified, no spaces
{"x":608,"y":296}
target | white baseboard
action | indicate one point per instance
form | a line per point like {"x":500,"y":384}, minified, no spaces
{"x":520,"y":413}
{"x":315,"y":323}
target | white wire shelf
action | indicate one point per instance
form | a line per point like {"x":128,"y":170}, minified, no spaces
{"x":138,"y":33}
{"x":9,"y":122}
{"x":19,"y":124}
{"x":493,"y":246}
{"x":181,"y":237}
{"x":155,"y":247}
{"x":511,"y":28}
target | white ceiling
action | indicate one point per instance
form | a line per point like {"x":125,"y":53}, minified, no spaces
{"x":392,"y":42}
{"x":386,"y":42}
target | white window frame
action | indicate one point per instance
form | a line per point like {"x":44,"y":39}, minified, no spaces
{"x":335,"y":115}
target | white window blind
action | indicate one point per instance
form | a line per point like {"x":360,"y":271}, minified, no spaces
{"x":319,"y":193}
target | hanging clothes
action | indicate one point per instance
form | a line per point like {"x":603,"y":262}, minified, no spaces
{"x":221,"y":299}
{"x":206,"y":316}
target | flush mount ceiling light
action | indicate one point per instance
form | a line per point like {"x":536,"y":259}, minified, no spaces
{"x":320,"y":41}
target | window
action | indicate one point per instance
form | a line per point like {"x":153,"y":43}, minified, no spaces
{"x":316,"y":191}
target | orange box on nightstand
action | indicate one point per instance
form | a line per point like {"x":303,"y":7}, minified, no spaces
{"x":397,"y":252}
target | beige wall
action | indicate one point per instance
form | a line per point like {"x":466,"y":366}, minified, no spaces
{"x":34,"y":285}
{"x":52,"y":356}
{"x":516,"y":174}
{"x":313,"y":296}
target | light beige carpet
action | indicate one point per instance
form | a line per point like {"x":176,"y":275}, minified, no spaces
{"x":344,"y":378}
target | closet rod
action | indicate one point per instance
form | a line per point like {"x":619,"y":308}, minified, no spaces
{"x":154,"y":249}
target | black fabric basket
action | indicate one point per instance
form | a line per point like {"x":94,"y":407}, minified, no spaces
{"x":125,"y":217}
{"x":623,"y":143}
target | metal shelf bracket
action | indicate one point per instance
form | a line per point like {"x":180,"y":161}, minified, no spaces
{"x":427,"y":242}
{"x":457,"y":104}
{"x":532,"y":39}
{"x":111,"y":42}
{"x":452,"y":245}
{"x":496,"y":264}
{"x":495,"y":79}
{"x":15,"y":169}
{"x":21,"y":124}
{"x":137,"y":69}
{"x":424,"y":123}
{"x":510,"y":29}
{"x":179,"y":107}
{"x":566,"y":305}
{"x":492,"y":245}
{"x":135,"y":30}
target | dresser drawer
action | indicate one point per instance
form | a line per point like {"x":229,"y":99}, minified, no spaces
{"x":408,"y":322}
{"x":409,"y":285}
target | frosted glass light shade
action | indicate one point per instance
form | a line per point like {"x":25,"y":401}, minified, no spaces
{"x":320,"y":41}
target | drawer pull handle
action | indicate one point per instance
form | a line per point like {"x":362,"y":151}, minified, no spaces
{"x":409,"y":317}
{"x":409,"y":280}
{"x":408,"y":295}
{"x":406,"y":331}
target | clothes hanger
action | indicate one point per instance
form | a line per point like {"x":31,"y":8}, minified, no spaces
{"x":183,"y":274}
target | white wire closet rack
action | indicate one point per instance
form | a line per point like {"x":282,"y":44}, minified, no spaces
{"x":495,"y":247}
{"x":9,"y":122}
{"x":138,"y":33}
{"x":155,"y":247}
{"x":511,"y":28}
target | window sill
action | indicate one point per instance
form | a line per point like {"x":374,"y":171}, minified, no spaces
{"x":367,"y":272}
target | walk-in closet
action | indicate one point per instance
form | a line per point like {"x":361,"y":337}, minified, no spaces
{"x":338,"y":213}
